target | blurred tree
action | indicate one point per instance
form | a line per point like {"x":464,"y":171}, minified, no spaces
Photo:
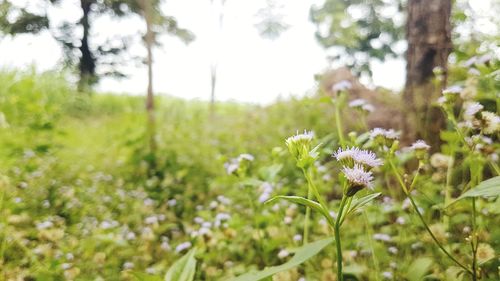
{"x":357,"y":31}
{"x":217,"y":12}
{"x":428,"y":34}
{"x":156,"y":23}
{"x":93,"y":61}
{"x":270,"y":21}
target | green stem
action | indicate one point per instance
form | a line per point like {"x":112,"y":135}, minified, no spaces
{"x":447,"y":194}
{"x":308,"y":215}
{"x":338,"y":123}
{"x":403,"y":186}
{"x":340,"y":276}
{"x":369,"y":234}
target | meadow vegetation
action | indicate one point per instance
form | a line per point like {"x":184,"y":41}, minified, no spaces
{"x":229,"y":197}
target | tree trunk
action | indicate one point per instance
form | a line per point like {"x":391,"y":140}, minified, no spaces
{"x":87,"y":60}
{"x":213,"y":80}
{"x":150,"y":107}
{"x":429,"y":44}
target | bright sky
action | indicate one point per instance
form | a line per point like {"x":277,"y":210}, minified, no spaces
{"x":250,"y":68}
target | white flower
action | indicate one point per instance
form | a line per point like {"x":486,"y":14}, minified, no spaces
{"x":400,"y":220}
{"x":387,"y":134}
{"x":453,"y":90}
{"x":491,"y":122}
{"x":471,"y":108}
{"x":283,"y":254}
{"x":367,"y":158}
{"x":246,"y":156}
{"x":224,"y":200}
{"x":297,"y":237}
{"x":363,"y":157}
{"x":441,"y":100}
{"x":393,"y":250}
{"x":387,"y":275}
{"x":357,"y":103}
{"x":362,"y":104}
{"x":151,"y":220}
{"x":305,"y":137}
{"x":172,"y":202}
{"x":345,"y":154}
{"x":382,"y":237}
{"x":342,"y":86}
{"x":183,"y":246}
{"x":358,"y":179}
{"x":231,"y":166}
{"x":420,"y":145}
{"x":128,"y":265}
{"x":368,"y":107}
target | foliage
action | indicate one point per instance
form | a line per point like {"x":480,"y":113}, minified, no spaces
{"x":358,"y":31}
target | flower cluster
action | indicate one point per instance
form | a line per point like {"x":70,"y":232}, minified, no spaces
{"x":299,"y":146}
{"x":384,"y":138}
{"x":361,"y":105}
{"x":357,"y":166}
{"x":238,"y":165}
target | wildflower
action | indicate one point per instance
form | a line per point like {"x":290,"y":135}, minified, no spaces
{"x":368,"y":108}
{"x":384,"y":138}
{"x":362,"y":105}
{"x":231,"y":166}
{"x":299,"y":146}
{"x":485,"y":252}
{"x":400,"y":220}
{"x":172,"y":202}
{"x":420,"y":148}
{"x":420,"y":145}
{"x":128,"y":265}
{"x":471,"y":109}
{"x":491,"y":122}
{"x":343,"y":85}
{"x":297,"y":237}
{"x":387,"y":275}
{"x":393,"y":250}
{"x":358,"y":179}
{"x":453,"y":90}
{"x":183,"y":246}
{"x":357,"y":103}
{"x":151,"y":220}
{"x":246,"y":156}
{"x":439,"y":160}
{"x":382,"y":237}
{"x":283,"y":254}
{"x":350,"y":156}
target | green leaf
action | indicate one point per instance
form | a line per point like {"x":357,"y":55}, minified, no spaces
{"x":487,"y":188}
{"x":139,"y":276}
{"x":418,"y":269}
{"x":301,"y":255}
{"x":305,"y":202}
{"x":183,"y":269}
{"x":360,"y":202}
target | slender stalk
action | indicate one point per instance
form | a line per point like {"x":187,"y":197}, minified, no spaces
{"x":338,"y":244}
{"x":447,"y":194}
{"x":403,"y":186}
{"x":369,"y":234}
{"x":308,"y":215}
{"x":338,"y":123}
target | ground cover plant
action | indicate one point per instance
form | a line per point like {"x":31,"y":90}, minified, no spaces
{"x":245,"y":194}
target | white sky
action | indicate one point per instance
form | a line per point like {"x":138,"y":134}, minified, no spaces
{"x":250,"y":68}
